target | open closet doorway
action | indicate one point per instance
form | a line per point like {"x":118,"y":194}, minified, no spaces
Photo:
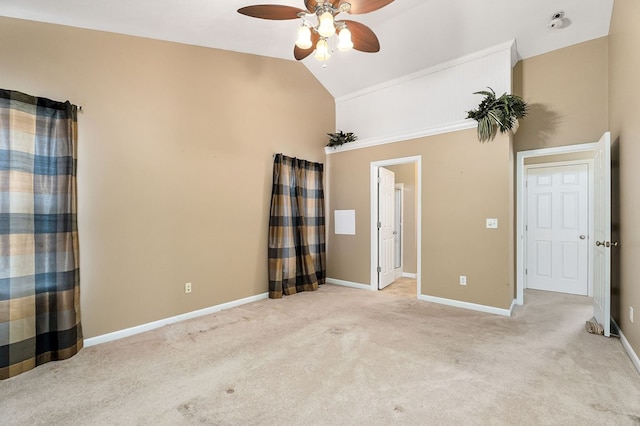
{"x":396,"y":223}
{"x":536,"y":255}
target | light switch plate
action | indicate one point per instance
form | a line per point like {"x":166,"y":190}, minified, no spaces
{"x":492,"y":223}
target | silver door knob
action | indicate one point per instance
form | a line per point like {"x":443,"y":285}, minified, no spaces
{"x":599,"y":243}
{"x":582,"y":237}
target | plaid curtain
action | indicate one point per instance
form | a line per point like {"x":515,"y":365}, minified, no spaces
{"x":39,"y":272}
{"x":296,"y":227}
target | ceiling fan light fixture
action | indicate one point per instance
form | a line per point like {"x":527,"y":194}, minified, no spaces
{"x":319,"y":25}
{"x":304,"y":38}
{"x":344,"y":40}
{"x":322,"y":50}
{"x":326,"y":27}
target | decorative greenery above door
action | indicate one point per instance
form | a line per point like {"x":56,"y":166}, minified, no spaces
{"x":497,"y":113}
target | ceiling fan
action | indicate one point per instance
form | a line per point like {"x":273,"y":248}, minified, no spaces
{"x":319,"y":25}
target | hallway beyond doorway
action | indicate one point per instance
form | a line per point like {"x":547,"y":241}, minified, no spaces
{"x":407,"y":287}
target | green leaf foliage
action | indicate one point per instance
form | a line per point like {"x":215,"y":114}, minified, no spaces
{"x":340,"y":138}
{"x":497,"y":113}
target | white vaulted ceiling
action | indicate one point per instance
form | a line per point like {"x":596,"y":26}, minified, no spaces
{"x":414,"y":34}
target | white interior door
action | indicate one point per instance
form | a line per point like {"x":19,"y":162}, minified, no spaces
{"x":602,"y":234}
{"x":557,"y":228}
{"x":386,"y":227}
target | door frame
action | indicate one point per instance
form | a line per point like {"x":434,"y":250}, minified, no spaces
{"x":400,"y":187}
{"x":590,"y":203}
{"x":386,"y":227}
{"x":520,"y":205}
{"x":417,"y":160}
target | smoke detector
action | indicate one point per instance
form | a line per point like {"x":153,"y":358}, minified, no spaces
{"x":557,"y":21}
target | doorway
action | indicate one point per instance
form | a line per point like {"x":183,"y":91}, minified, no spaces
{"x":376,"y":240}
{"x":600,"y":246}
{"x":559,"y":226}
{"x":386,"y":227}
{"x":540,"y":157}
{"x":398,"y":232}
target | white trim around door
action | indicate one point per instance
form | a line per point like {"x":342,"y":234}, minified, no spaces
{"x":520,"y":205}
{"x":417,"y":160}
{"x":399,"y":230}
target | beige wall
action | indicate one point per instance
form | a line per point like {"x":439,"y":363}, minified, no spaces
{"x":463,"y":183}
{"x":624,"y":114}
{"x":568,"y":96}
{"x":406,"y":174}
{"x":175,"y":155}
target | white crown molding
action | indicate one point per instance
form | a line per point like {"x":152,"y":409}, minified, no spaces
{"x":120,"y":334}
{"x":401,"y":137}
{"x":509,"y":45}
{"x":514,"y":54}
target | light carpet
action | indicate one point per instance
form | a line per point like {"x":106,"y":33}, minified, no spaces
{"x":342,"y":356}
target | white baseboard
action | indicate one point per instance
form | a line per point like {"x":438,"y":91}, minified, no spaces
{"x":348,"y":284}
{"x":627,"y":347}
{"x":468,"y":305}
{"x":160,"y":323}
{"x":409,"y":275}
{"x":439,"y":300}
{"x":514,"y":303}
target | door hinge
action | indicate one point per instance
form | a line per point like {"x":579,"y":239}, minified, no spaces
{"x":526,"y":227}
{"x":379,"y":225}
{"x":379,"y":269}
{"x":526,"y":272}
{"x":378,"y":179}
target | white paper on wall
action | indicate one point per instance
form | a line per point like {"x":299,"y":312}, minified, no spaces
{"x":345,"y":222}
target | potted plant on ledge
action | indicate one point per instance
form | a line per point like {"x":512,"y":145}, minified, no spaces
{"x":340,"y":138}
{"x":497,"y":113}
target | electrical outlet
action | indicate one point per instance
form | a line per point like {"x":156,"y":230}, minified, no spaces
{"x":631,"y":313}
{"x":463,"y":280}
{"x":187,"y":287}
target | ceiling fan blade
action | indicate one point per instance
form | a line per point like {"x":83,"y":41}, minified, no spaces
{"x":363,"y":38}
{"x":271,"y":11}
{"x":300,"y":54}
{"x":310,"y":5}
{"x":359,"y":7}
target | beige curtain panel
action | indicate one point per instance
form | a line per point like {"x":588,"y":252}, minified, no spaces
{"x":296,"y":227}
